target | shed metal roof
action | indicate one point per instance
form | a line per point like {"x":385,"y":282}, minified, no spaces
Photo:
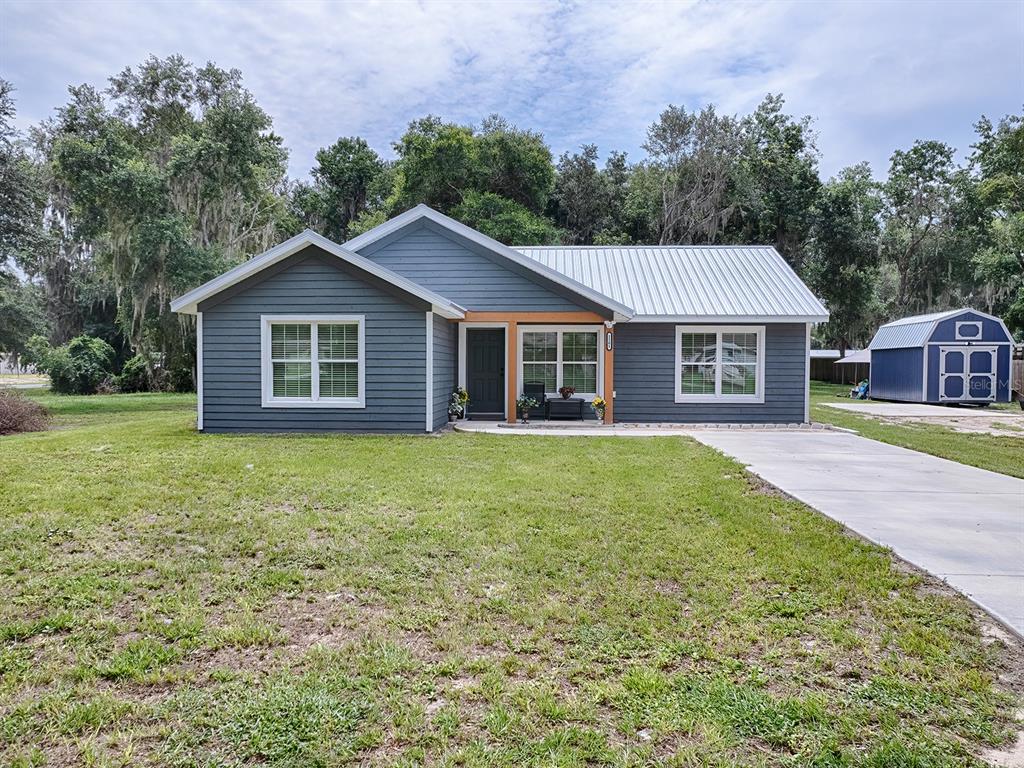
{"x":911,"y":331}
{"x":689,"y":283}
{"x":860,"y":356}
{"x":915,"y":331}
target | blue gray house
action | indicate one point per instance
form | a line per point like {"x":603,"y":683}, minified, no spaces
{"x":374,"y":335}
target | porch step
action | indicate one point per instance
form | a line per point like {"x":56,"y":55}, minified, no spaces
{"x":555,"y":425}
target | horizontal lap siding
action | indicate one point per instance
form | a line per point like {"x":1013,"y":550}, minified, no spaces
{"x":464,"y":275}
{"x":394,"y":355}
{"x":445,"y":342}
{"x":645,"y":378}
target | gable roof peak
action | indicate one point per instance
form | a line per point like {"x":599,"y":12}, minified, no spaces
{"x":425,"y":212}
{"x":188,"y":303}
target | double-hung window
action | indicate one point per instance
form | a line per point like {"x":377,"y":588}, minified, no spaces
{"x":719,"y":363}
{"x":313,"y":361}
{"x":561,"y":357}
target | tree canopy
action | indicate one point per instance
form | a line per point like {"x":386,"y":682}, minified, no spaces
{"x":169,"y":173}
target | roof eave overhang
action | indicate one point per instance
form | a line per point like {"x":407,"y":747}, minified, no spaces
{"x":188,"y":303}
{"x":818,"y":318}
{"x":619,"y":311}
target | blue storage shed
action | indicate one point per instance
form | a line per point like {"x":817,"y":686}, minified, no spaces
{"x":957,"y":356}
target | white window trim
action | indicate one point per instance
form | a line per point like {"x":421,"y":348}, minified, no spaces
{"x":718,"y":330}
{"x":976,"y":324}
{"x":559,"y":362}
{"x":430,"y":371}
{"x":315,"y":401}
{"x":199,"y":371}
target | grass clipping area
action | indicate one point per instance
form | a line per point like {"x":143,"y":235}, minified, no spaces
{"x":180,"y":599}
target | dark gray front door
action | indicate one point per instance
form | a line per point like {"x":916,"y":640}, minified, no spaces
{"x":485,"y":371}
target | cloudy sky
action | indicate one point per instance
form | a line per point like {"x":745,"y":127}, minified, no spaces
{"x":875,"y":76}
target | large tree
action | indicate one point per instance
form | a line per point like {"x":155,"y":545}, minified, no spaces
{"x":998,"y":162}
{"x":21,"y":190}
{"x":515,"y":164}
{"x":437,"y":162}
{"x":919,"y":196}
{"x":697,"y":155}
{"x":780,"y":172}
{"x":174,"y":174}
{"x":581,"y":195}
{"x":505,"y":220}
{"x":349,"y":179}
{"x":21,"y":312}
{"x":844,"y":254}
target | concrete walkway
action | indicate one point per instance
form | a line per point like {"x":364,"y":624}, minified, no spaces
{"x":962,"y":524}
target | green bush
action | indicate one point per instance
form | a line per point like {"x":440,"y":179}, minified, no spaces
{"x":76,"y":368}
{"x":181,"y":379}
{"x":134,"y":376}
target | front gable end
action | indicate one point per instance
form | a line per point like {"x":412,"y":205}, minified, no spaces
{"x":970,"y":326}
{"x":469,"y":274}
{"x":308,"y":285}
{"x":310,"y":276}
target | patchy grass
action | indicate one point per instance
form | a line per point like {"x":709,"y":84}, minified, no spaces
{"x":997,"y":453}
{"x":177,"y":599}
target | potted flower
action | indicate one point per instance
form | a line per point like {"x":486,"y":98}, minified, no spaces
{"x":523,"y":404}
{"x":566,"y":392}
{"x":457,"y":404}
{"x":598,"y":404}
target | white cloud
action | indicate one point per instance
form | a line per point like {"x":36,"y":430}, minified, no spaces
{"x":875,"y":75}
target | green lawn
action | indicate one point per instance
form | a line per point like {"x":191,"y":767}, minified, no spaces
{"x":178,"y":599}
{"x":997,"y":453}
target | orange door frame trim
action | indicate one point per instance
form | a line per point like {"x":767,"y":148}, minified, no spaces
{"x":512,"y":363}
{"x":511,"y":371}
{"x":533,"y":317}
{"x":609,"y":374}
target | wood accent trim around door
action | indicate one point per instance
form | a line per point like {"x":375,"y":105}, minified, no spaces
{"x":511,"y":372}
{"x":548,"y":318}
{"x":512,"y":320}
{"x":609,"y":375}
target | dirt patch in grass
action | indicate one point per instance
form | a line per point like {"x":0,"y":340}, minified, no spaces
{"x":760,"y":486}
{"x":998,"y":423}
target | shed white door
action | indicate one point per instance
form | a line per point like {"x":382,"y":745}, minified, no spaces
{"x":967,"y":373}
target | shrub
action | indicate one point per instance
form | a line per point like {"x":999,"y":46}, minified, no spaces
{"x":19,"y":414}
{"x":75,"y":368}
{"x":134,"y":376}
{"x":181,"y":379}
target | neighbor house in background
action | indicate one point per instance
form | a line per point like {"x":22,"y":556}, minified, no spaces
{"x":957,"y":356}
{"x":373,"y":335}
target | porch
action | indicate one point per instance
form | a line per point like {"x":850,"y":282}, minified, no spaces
{"x":500,"y":353}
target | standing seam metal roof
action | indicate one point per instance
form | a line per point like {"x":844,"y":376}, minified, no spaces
{"x":909,"y":331}
{"x":688,"y":281}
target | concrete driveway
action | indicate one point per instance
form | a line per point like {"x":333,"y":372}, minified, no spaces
{"x":964,"y":525}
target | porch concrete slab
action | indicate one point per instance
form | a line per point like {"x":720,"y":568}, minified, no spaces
{"x":960,"y":523}
{"x":917,"y":410}
{"x":492,"y":428}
